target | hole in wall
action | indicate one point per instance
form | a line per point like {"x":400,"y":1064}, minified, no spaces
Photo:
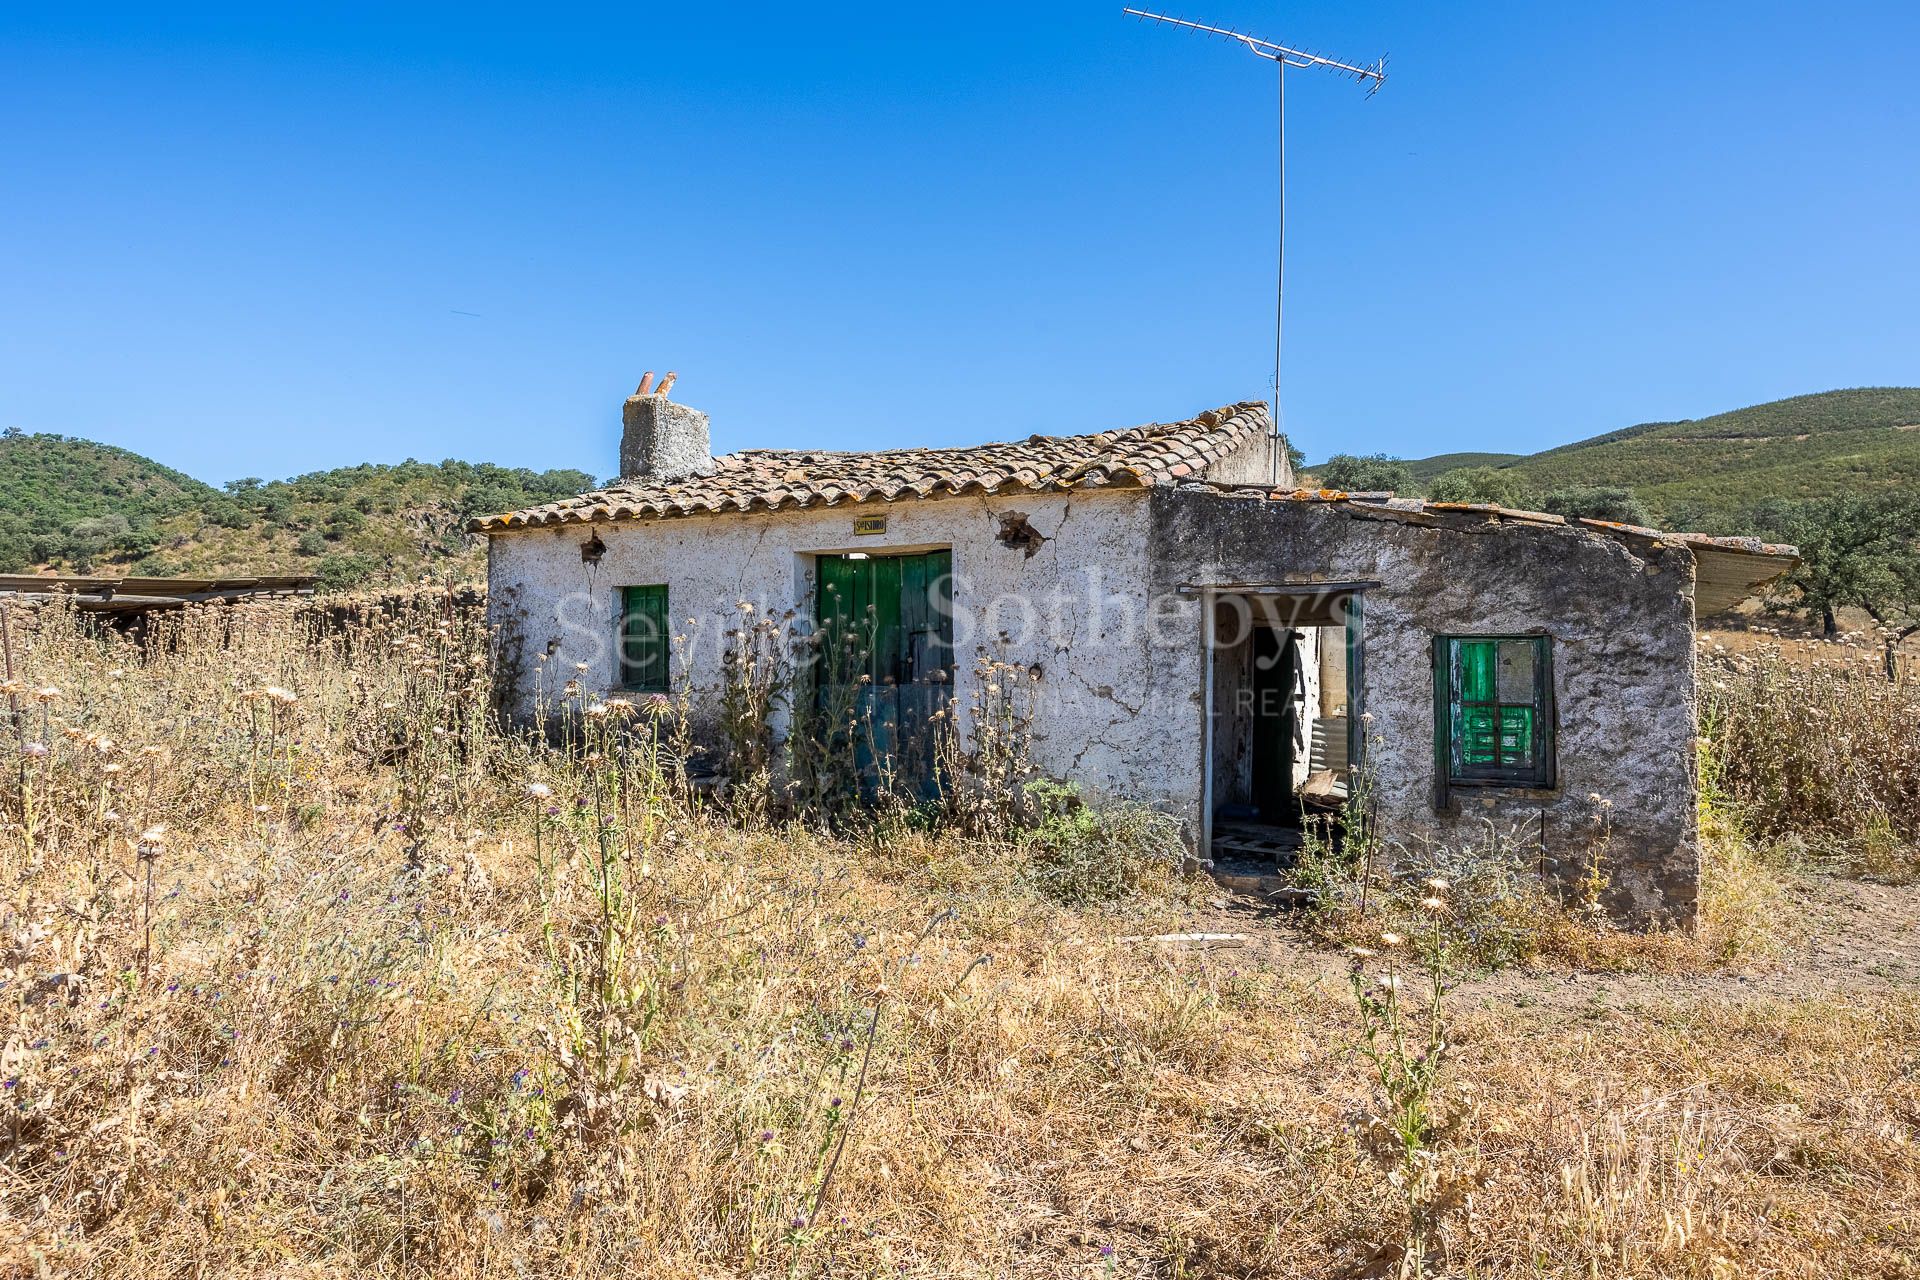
{"x":1017,"y":532}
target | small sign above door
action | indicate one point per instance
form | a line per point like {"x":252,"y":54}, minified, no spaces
{"x":869,"y":524}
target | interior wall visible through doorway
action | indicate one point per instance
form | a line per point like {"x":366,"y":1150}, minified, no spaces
{"x":1279,"y":665}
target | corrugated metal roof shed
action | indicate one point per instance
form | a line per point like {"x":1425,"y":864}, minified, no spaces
{"x":139,"y":595}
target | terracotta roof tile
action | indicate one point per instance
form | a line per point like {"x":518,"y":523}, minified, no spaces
{"x":764,"y":479}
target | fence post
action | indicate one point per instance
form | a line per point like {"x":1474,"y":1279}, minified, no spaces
{"x":6,"y":646}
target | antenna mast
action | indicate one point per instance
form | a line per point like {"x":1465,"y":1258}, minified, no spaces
{"x":1372,"y":76}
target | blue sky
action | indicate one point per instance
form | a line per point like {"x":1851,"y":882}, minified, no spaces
{"x":256,"y":242}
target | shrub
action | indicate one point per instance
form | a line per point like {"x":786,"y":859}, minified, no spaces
{"x":340,"y":572}
{"x":1084,"y":854}
{"x":489,"y":499}
{"x":1403,"y":1039}
{"x":88,"y":539}
{"x":230,"y":515}
{"x":1361,"y":474}
{"x":1815,"y":743}
{"x":1502,"y":488}
{"x":137,"y":542}
{"x":986,"y":770}
{"x":1497,"y":899}
{"x":342,"y":521}
{"x":1599,"y":502}
{"x":757,"y":683}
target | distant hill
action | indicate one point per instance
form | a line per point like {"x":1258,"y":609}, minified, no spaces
{"x":1707,"y":472}
{"x":78,"y":506}
{"x":1425,"y":469}
{"x":53,"y":480}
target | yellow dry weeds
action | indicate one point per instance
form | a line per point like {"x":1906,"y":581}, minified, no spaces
{"x":371,"y":1033}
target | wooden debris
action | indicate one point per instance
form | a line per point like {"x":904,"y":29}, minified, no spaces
{"x":1190,"y":939}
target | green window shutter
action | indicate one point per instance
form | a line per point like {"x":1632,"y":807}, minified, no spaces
{"x":645,"y":641}
{"x":1546,"y":763}
{"x":1497,"y":704}
{"x":1476,"y":670}
{"x":1442,"y":721}
{"x":1475,"y":714}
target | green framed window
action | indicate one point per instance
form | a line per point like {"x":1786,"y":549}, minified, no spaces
{"x":644,"y":644}
{"x":1493,"y":712}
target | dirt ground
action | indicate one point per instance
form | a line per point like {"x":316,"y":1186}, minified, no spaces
{"x":1848,"y":937}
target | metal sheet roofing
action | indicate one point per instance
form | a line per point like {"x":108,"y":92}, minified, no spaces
{"x":133,"y":594}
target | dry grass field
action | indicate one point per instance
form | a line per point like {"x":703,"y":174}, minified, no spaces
{"x":309,"y":971}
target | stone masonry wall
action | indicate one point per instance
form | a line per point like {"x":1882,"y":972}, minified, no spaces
{"x":1621,"y":621}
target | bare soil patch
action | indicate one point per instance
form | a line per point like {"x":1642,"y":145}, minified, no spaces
{"x":1847,"y":937}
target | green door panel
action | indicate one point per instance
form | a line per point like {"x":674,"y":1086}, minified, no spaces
{"x":887,"y":622}
{"x":644,"y":649}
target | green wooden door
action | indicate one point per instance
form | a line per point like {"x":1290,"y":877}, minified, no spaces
{"x":887,"y":644}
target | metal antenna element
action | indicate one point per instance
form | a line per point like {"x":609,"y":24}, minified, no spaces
{"x":1372,"y":76}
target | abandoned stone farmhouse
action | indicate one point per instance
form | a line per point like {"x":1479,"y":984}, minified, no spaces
{"x":1200,"y":635}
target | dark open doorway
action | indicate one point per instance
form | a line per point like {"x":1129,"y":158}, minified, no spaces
{"x":1283,"y":670}
{"x":1273,"y":696}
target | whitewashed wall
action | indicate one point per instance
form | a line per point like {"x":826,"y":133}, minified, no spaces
{"x":1077,"y":607}
{"x":1098,"y":609}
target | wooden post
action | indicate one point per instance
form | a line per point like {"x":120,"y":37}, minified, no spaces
{"x":6,"y":646}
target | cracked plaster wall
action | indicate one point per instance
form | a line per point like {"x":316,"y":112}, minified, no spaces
{"x":1122,"y":710}
{"x":1252,"y":463}
{"x":1082,"y":622}
{"x":1621,"y":619}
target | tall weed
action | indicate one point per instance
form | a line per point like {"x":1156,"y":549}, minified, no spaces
{"x":1812,"y":740}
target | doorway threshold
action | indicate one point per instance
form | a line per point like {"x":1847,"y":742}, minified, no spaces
{"x":1254,"y":859}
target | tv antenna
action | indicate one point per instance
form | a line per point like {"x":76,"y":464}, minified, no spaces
{"x":1372,"y":76}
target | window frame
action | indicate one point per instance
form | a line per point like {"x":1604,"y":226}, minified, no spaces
{"x":1450,"y":771}
{"x":629,"y":676}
